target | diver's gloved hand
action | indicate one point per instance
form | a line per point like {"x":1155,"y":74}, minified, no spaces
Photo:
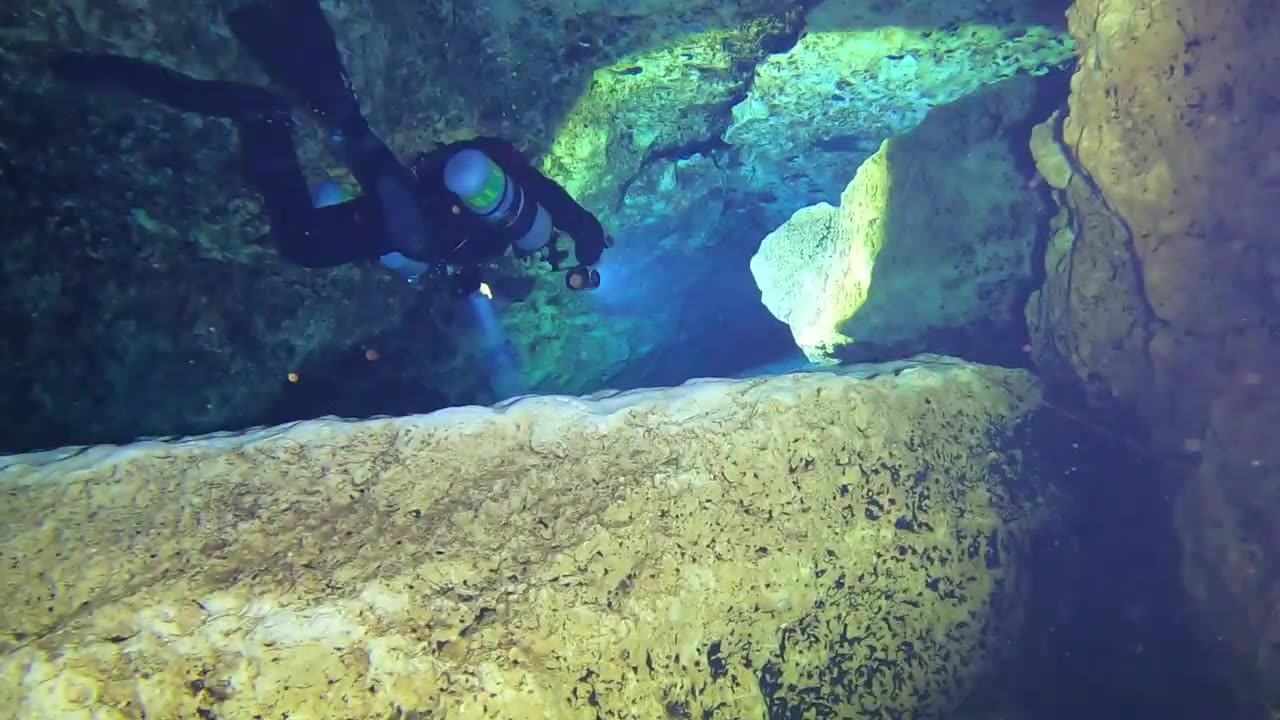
{"x":590,"y":241}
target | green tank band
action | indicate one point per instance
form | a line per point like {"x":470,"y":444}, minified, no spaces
{"x":488,"y":195}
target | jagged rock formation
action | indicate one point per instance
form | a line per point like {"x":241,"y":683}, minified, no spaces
{"x":863,"y":72}
{"x":934,"y":234}
{"x":804,"y":544}
{"x":140,"y":296}
{"x":1163,"y":282}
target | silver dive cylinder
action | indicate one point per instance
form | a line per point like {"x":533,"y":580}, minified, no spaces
{"x":488,"y":192}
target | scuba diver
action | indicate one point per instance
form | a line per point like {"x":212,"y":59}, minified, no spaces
{"x":457,"y":208}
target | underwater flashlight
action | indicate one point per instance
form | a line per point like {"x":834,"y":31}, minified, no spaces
{"x":485,"y":290}
{"x":582,"y":278}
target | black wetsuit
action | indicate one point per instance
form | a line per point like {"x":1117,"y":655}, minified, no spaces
{"x":360,"y":229}
{"x":404,"y":210}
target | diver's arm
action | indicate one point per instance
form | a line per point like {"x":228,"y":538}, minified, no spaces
{"x":566,"y":213}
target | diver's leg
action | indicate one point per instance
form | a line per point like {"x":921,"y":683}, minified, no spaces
{"x":277,"y":176}
{"x":304,"y":234}
{"x":159,"y":83}
{"x":295,"y":45}
{"x":265,"y":127}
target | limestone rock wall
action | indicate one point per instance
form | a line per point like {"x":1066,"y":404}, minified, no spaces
{"x":812,"y":545}
{"x":861,"y":72}
{"x":1163,"y":281}
{"x":869,"y":74}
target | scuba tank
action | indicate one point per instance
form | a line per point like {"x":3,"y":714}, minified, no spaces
{"x":491,"y":194}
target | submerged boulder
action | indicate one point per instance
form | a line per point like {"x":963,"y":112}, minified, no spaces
{"x":934,"y":235}
{"x":730,"y":549}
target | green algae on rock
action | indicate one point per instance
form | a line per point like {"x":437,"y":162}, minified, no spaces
{"x":656,"y":99}
{"x":874,"y":82}
{"x":811,"y":545}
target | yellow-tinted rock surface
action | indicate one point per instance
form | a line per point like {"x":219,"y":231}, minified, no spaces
{"x":1164,"y":282}
{"x":835,"y":544}
{"x":933,"y":236}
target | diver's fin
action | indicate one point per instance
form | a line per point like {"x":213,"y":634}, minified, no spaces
{"x":159,"y":83}
{"x":294,"y":44}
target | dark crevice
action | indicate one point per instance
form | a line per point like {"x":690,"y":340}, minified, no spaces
{"x":1050,"y":96}
{"x":781,"y":42}
{"x":770,"y":43}
{"x":704,"y":146}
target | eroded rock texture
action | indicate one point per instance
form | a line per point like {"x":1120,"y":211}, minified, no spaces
{"x":1163,"y":280}
{"x":812,"y":545}
{"x":142,"y":297}
{"x":141,"y":294}
{"x":933,"y":238}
